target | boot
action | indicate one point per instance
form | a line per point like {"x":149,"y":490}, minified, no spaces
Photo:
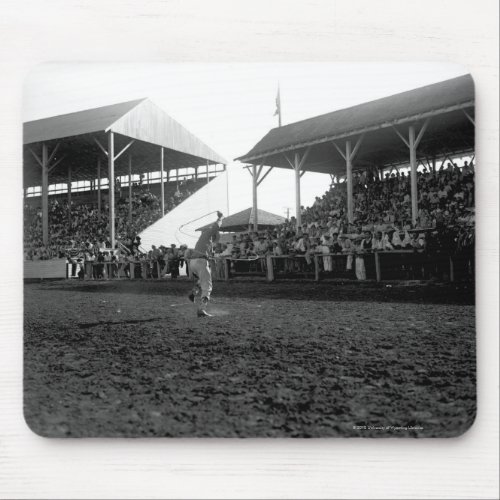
{"x":202,"y":308}
{"x":194,"y":292}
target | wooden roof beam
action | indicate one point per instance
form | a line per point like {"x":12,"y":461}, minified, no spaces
{"x":264,"y":176}
{"x":54,"y":151}
{"x":52,"y":167}
{"x":469,"y":117}
{"x":124,"y":149}
{"x":36,"y":157}
{"x":101,"y":147}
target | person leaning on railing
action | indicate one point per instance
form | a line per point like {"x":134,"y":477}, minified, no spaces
{"x":381,"y":242}
{"x":325,"y":248}
{"x":174,"y":262}
{"x":362,"y":246}
{"x":347,"y":248}
{"x":401,"y":239}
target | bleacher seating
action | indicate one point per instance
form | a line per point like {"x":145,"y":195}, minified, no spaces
{"x":81,"y":224}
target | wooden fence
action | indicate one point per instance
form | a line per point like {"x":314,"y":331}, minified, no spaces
{"x":378,"y":266}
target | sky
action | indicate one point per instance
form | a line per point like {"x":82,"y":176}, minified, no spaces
{"x":230,"y":107}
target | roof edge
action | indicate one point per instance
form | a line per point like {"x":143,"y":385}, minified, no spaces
{"x":139,"y":101}
{"x":291,"y":147}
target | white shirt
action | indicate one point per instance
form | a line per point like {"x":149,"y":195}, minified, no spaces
{"x":397,"y":241}
{"x":382,"y":244}
{"x":299,"y":245}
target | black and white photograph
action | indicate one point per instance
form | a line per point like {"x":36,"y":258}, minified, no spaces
{"x":249,"y":250}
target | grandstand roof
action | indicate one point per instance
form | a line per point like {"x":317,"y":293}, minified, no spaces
{"x":141,"y":120}
{"x":450,"y":130}
{"x":241,"y":220}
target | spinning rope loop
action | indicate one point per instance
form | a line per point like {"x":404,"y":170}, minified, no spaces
{"x":179,"y":229}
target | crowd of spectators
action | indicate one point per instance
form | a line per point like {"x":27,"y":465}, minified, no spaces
{"x":382,"y":221}
{"x":129,"y":260}
{"x":81,"y":225}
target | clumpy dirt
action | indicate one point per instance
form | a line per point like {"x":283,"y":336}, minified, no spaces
{"x":294,"y":359}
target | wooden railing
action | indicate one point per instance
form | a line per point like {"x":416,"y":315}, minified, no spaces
{"x":379,"y":265}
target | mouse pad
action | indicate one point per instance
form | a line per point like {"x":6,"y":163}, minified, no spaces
{"x":249,"y":250}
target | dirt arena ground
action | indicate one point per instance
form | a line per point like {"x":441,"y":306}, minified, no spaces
{"x":294,"y":359}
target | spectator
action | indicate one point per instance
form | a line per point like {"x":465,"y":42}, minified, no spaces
{"x":360,"y":260}
{"x":174,"y":261}
{"x":401,"y":239}
{"x":381,"y":242}
{"x":348,"y":248}
{"x":325,"y":249}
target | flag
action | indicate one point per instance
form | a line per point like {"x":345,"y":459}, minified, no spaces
{"x":278,"y":106}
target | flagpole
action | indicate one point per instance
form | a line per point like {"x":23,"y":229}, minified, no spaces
{"x":278,"y":105}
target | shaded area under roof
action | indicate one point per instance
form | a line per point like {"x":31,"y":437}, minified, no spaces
{"x":141,"y":120}
{"x":449,"y":130}
{"x":241,"y":220}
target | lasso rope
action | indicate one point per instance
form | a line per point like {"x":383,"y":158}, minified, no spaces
{"x":179,"y":229}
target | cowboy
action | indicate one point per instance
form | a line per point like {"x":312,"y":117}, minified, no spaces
{"x":199,"y":265}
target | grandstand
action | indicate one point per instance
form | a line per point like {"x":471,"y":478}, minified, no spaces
{"x":421,"y":125}
{"x":378,"y":198}
{"x":153,"y":163}
{"x":382,"y":158}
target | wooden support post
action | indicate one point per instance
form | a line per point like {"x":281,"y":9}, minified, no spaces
{"x":270,"y":269}
{"x":412,"y":144}
{"x":69,"y":185}
{"x":195,"y":173}
{"x":99,"y":188}
{"x":111,"y":183}
{"x":129,"y":187}
{"x":162,"y":183}
{"x":377,"y":265}
{"x":69,"y":194}
{"x":349,"y":156}
{"x":350,"y":203}
{"x":413,"y":172}
{"x":226,"y":269}
{"x":452,"y":270}
{"x":297,"y":165}
{"x":45,"y":194}
{"x":316,"y":268}
{"x":298,"y":214}
{"x":254,"y":198}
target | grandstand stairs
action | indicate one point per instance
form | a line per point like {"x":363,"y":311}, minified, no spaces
{"x":179,"y":225}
